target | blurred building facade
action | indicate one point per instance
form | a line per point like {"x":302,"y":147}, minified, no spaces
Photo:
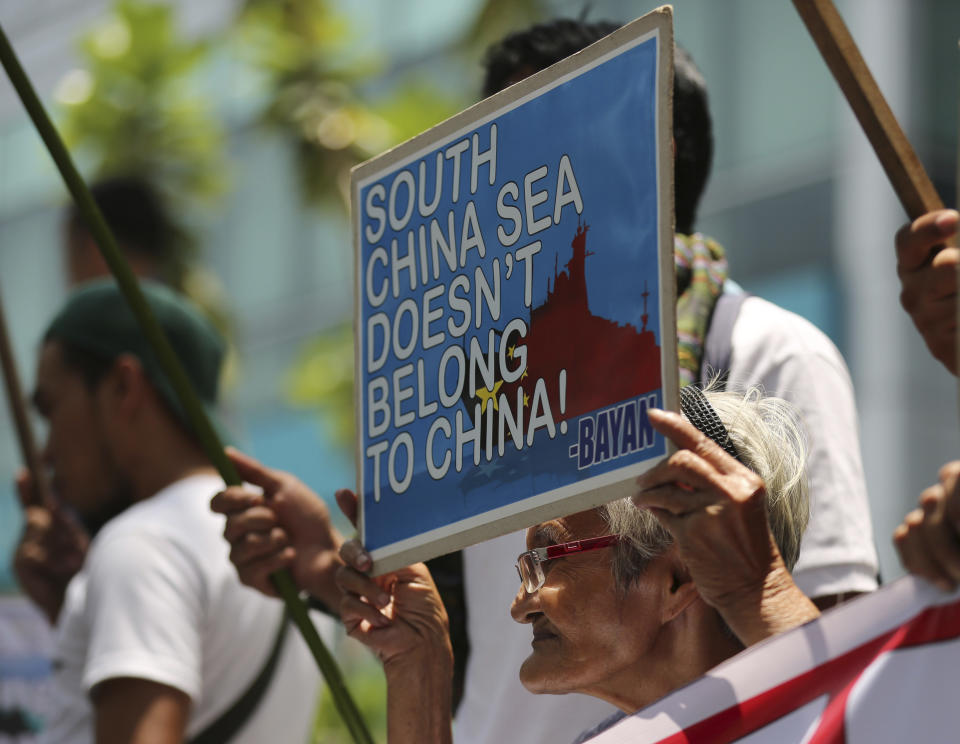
{"x":796,"y":196}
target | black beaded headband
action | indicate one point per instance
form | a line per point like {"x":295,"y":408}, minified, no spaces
{"x":697,"y":408}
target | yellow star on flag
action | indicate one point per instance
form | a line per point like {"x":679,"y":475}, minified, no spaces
{"x":484,"y":395}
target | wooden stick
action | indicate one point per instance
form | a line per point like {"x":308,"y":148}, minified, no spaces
{"x":18,"y":407}
{"x":840,"y":52}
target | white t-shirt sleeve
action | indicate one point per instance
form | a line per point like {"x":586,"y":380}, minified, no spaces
{"x":145,"y":613}
{"x":790,"y":358}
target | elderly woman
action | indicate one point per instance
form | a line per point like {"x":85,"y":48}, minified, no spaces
{"x":628,"y":601}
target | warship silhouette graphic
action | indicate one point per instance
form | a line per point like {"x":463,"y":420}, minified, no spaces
{"x":605,"y":361}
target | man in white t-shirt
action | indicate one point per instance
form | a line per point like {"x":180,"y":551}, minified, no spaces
{"x":156,"y":638}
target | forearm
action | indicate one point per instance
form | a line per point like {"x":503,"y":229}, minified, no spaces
{"x":418,"y":699}
{"x":47,"y":600}
{"x":776,"y":606}
{"x":136,"y":711}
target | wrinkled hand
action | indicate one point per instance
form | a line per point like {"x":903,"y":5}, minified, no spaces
{"x":398,"y":615}
{"x":51,"y":550}
{"x":928,"y":279}
{"x":715,"y":508}
{"x":928,"y":540}
{"x":285,"y":526}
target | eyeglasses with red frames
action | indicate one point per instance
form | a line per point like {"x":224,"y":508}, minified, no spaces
{"x":530,"y":564}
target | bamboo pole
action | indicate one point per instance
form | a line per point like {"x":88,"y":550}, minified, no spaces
{"x":202,"y":427}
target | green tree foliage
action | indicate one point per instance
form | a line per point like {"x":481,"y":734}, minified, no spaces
{"x":132,"y":107}
{"x":494,"y":20}
{"x":299,"y":45}
{"x":314,"y":78}
{"x":322,"y":376}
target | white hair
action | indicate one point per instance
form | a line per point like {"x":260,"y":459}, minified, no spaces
{"x":766,"y":433}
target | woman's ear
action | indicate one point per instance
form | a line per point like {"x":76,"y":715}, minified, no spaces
{"x":680,"y":591}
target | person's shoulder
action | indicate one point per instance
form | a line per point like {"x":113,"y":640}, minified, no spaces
{"x":171,"y":538}
{"x":789,"y":357}
{"x":187,"y":496}
{"x":179,"y":514}
{"x":766,"y":329}
{"x":759,"y":314}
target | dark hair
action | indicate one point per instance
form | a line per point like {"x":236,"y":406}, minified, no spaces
{"x":141,"y":222}
{"x":135,"y":213}
{"x":523,"y":53}
{"x":693,"y":133}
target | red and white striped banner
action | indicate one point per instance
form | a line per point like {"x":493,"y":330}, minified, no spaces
{"x":883,"y":668}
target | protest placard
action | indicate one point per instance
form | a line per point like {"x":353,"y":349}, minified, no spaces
{"x":515,"y":303}
{"x":880,"y":669}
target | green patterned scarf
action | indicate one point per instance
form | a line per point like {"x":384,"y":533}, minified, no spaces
{"x":701,"y":272}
